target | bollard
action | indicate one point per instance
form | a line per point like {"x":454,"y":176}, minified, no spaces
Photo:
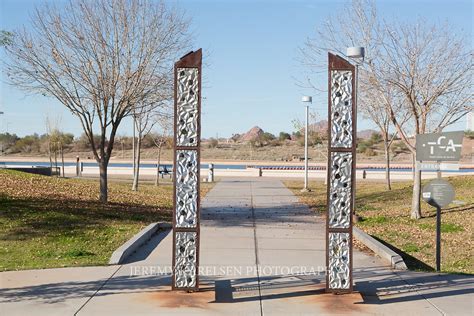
{"x":210,"y":177}
{"x":78,"y":170}
{"x":364,"y":174}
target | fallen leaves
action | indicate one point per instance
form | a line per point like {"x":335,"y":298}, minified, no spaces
{"x":54,"y":222}
{"x":385,"y":215}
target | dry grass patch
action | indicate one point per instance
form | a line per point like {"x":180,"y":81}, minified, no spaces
{"x":50,"y":222}
{"x":386,"y":216}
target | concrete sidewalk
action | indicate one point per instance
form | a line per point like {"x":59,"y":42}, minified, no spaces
{"x":256,"y":240}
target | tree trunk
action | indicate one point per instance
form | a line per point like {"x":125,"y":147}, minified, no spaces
{"x":157,"y":180}
{"x":50,"y":156}
{"x":416,"y":206}
{"x":137,"y":164}
{"x":62,"y":159}
{"x":133,"y":151}
{"x":103,"y":180}
{"x":56,"y":160}
{"x":387,"y":165}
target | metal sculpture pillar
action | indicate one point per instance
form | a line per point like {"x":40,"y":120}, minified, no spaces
{"x":340,"y":174}
{"x":186,"y":170}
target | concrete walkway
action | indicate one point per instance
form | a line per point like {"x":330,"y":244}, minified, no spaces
{"x":257,"y":242}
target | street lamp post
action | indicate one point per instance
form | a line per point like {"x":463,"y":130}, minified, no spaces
{"x":307,"y":100}
{"x":356,"y":54}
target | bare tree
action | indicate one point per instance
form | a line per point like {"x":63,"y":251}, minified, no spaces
{"x":314,"y":136}
{"x":431,"y":67}
{"x":55,"y":143}
{"x":48,"y":135}
{"x":5,"y":38}
{"x":165,"y":129}
{"x":428,"y":65}
{"x":101,"y":59}
{"x":145,"y":119}
{"x":374,"y":108}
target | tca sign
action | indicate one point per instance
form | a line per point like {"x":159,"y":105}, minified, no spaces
{"x":439,"y":146}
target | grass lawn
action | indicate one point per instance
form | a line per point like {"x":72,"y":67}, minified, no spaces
{"x":386,"y":216}
{"x":48,"y":222}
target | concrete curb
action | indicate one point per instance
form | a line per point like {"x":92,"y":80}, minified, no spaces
{"x":396,"y":261}
{"x":129,"y":247}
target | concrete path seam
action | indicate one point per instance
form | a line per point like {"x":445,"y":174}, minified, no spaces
{"x":257,"y":261}
{"x":420,"y":294}
{"x":97,"y":291}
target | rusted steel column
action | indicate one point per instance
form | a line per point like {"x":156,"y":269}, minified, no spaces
{"x":186,"y":170}
{"x":340,"y":174}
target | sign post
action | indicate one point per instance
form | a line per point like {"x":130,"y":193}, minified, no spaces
{"x":438,"y":193}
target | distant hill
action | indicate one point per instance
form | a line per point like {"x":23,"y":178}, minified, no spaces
{"x":320,"y":127}
{"x":366,"y":133}
{"x":252,"y":134}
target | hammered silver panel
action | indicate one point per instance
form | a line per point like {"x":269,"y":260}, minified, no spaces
{"x":187,"y":107}
{"x":340,"y":190}
{"x":341,"y":111}
{"x":339,"y":261}
{"x":186,"y":188}
{"x":186,"y":261}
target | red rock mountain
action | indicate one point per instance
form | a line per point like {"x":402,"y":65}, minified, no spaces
{"x":252,"y":134}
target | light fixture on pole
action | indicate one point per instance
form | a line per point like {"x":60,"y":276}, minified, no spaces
{"x":357,"y":54}
{"x":307,"y":100}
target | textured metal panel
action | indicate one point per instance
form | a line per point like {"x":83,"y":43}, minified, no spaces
{"x":341,"y":112}
{"x":186,"y":188}
{"x":339,"y":261}
{"x":340,"y":174}
{"x":185,"y":269}
{"x":340,"y":190}
{"x":186,"y":170}
{"x":187,"y":107}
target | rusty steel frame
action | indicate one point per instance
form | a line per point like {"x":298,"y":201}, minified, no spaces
{"x":336,"y":62}
{"x":191,"y":60}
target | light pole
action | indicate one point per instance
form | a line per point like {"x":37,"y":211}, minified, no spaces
{"x":307,"y":100}
{"x":356,"y":54}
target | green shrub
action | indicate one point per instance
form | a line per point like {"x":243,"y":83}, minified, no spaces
{"x":284,"y":136}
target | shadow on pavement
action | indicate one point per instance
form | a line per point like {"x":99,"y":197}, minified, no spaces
{"x":146,"y":249}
